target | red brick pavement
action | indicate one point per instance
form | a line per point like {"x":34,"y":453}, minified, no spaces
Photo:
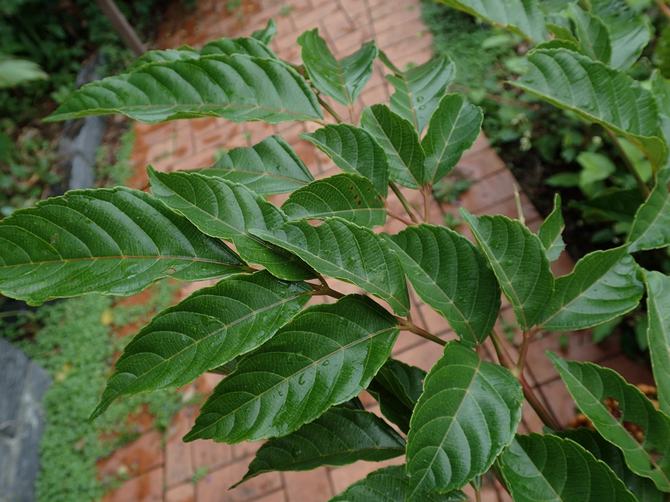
{"x":202,"y":471}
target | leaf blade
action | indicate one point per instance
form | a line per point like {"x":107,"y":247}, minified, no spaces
{"x":658,"y":333}
{"x":468,"y":413}
{"x":449,"y":274}
{"x":113,"y":241}
{"x":198,"y":88}
{"x":357,"y":336}
{"x":589,"y":385}
{"x":347,"y":196}
{"x":550,"y":231}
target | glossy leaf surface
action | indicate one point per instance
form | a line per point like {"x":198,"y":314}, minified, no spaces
{"x":551,"y":231}
{"x":353,"y":150}
{"x":325,"y":356}
{"x":519,"y":262}
{"x":338,"y":437}
{"x":347,"y":196}
{"x":468,"y":413}
{"x":452,"y":276}
{"x":550,"y":468}
{"x":338,"y":248}
{"x":590,"y":385}
{"x":114,"y":241}
{"x":237,"y":87}
{"x":267,"y":168}
{"x":651,"y":225}
{"x":343,"y":80}
{"x":658,"y":333}
{"x":602,"y":286}
{"x":229,"y":211}
{"x":208,"y":329}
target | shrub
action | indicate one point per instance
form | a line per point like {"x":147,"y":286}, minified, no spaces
{"x":293,"y":373}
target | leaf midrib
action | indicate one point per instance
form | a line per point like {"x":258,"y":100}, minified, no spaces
{"x":121,"y":257}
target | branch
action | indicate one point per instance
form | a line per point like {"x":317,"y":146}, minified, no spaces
{"x":329,"y":108}
{"x":426,"y":191}
{"x":403,"y":201}
{"x":644,"y":189}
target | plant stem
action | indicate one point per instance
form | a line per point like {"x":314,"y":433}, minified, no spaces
{"x":426,"y":191}
{"x":407,"y":325}
{"x":665,"y":9}
{"x":403,"y":201}
{"x":506,"y":360}
{"x":523,"y":350}
{"x":644,"y":189}
{"x":329,"y":109}
{"x":398,"y":217}
{"x":517,"y":202}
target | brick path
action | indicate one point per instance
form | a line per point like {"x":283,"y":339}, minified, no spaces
{"x":167,"y":469}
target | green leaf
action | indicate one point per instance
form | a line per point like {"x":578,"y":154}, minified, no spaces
{"x":595,"y":167}
{"x":651,"y":225}
{"x":183,"y":53}
{"x":524,"y":17}
{"x":247,"y":46}
{"x":602,"y":286}
{"x":228,"y":211}
{"x":642,"y":488}
{"x":592,"y":33}
{"x":343,"y":80}
{"x":399,"y":141}
{"x":660,"y":88}
{"x":519,"y":262}
{"x":629,"y":31}
{"x":113,"y":241}
{"x":207,"y":330}
{"x":658,"y":333}
{"x":551,"y":230}
{"x":239,"y":88}
{"x":590,"y":386}
{"x":452,"y":129}
{"x":325,"y":356}
{"x":597,"y":94}
{"x":340,"y":436}
{"x":348,"y":196}
{"x":550,"y":468}
{"x":452,"y":276}
{"x":267,"y":168}
{"x":389,"y":484}
{"x":418,"y":90}
{"x":468,"y":413}
{"x":353,"y":150}
{"x":397,"y":387}
{"x":266,"y":34}
{"x":341,"y":249}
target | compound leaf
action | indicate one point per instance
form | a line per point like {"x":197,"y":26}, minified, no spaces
{"x":468,"y":413}
{"x":597,"y":93}
{"x":348,"y":196}
{"x":238,"y":87}
{"x":519,"y":262}
{"x":354,"y":150}
{"x":338,"y":248}
{"x":452,"y":129}
{"x":389,"y":484}
{"x":602,"y":286}
{"x":419,"y":90}
{"x":592,"y":387}
{"x":658,"y":333}
{"x":342,"y":80}
{"x":227,"y":210}
{"x":399,"y":141}
{"x":267,"y":168}
{"x":452,"y":276}
{"x":551,"y":231}
{"x":113,"y":241}
{"x":206,"y":330}
{"x":338,"y":437}
{"x":397,"y":387}
{"x":325,"y":356}
{"x":549,"y":468}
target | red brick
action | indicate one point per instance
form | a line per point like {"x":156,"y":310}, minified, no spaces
{"x":343,"y":477}
{"x":181,"y":493}
{"x":209,"y":454}
{"x":477,"y":164}
{"x":215,"y":486}
{"x":178,"y":457}
{"x":147,"y":487}
{"x":141,"y":455}
{"x":308,"y":485}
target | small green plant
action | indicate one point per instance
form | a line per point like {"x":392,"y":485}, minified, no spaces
{"x":297,"y":371}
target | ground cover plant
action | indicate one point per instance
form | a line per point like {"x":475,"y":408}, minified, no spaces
{"x":293,"y":372}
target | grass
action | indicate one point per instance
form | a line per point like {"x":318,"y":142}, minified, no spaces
{"x":74,"y":341}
